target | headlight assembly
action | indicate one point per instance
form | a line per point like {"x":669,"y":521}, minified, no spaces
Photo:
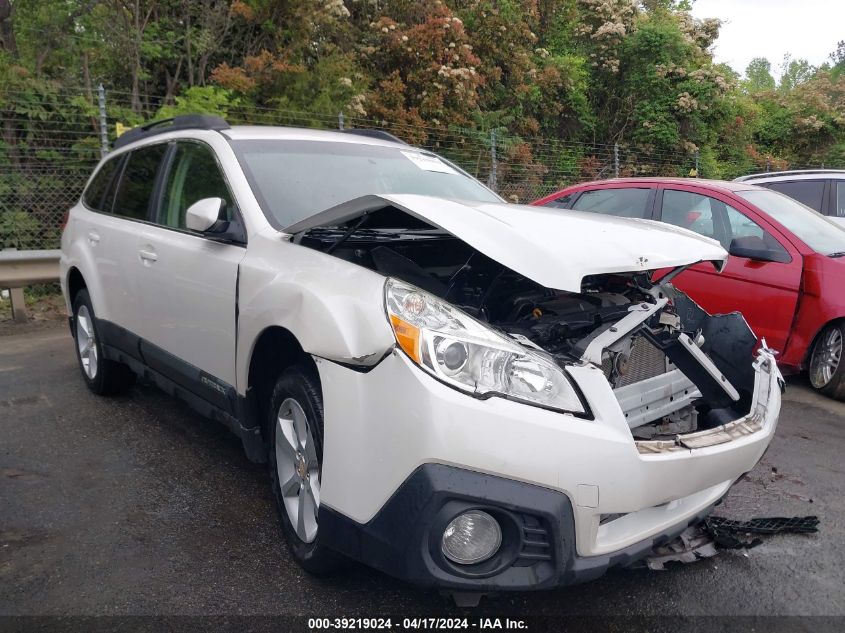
{"x":465,"y":353}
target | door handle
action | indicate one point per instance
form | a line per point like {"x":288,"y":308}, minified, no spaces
{"x":147,"y":256}
{"x":93,"y":237}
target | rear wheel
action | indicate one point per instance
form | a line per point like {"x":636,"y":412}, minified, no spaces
{"x":103,"y":376}
{"x":827,"y":373}
{"x":295,"y":461}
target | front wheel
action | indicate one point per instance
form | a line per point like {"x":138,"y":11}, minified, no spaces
{"x":295,"y":460}
{"x":827,"y":373}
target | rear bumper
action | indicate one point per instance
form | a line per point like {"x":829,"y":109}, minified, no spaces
{"x":538,"y":550}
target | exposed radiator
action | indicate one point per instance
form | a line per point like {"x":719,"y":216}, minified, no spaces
{"x":646,"y":361}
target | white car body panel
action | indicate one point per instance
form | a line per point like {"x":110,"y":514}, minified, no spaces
{"x":333,"y":308}
{"x":106,"y":241}
{"x":545,"y":245}
{"x":187,"y":297}
{"x":78,"y":254}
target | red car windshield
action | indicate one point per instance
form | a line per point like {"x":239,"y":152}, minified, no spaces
{"x":815,"y":230}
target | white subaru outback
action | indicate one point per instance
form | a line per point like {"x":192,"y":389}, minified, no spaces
{"x":460,"y":392}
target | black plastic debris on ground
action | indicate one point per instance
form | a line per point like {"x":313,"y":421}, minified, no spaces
{"x":714,"y":533}
{"x":727,"y":533}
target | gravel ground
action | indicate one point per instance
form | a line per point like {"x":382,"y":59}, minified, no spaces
{"x":136,"y":506}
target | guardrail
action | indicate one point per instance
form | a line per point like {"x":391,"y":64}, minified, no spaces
{"x":22,"y":268}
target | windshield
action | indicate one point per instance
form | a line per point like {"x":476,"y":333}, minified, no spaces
{"x":815,"y":230}
{"x":296,"y":179}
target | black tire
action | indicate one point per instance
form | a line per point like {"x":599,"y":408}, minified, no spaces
{"x":301,"y":385}
{"x":833,"y":387}
{"x":108,"y":377}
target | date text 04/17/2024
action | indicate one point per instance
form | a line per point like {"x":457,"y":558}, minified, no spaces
{"x":431,"y":624}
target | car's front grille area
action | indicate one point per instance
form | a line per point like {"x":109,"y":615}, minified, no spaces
{"x":646,"y":361}
{"x":536,"y":543}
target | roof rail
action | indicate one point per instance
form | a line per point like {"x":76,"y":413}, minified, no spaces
{"x":789,"y":172}
{"x":182,"y":122}
{"x":370,"y":133}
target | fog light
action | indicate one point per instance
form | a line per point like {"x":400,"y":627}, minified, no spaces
{"x":471,"y":537}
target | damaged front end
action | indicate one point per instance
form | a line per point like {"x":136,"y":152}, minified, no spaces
{"x":683,"y":379}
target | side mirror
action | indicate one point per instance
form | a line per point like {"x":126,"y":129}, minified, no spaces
{"x":204,"y":216}
{"x":760,"y":254}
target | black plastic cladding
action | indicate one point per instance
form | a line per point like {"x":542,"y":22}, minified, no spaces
{"x":403,"y":538}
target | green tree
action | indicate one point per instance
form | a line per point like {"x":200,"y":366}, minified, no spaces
{"x":837,"y":59}
{"x":8,"y":42}
{"x":794,"y":72}
{"x":758,"y":75}
{"x":549,"y":76}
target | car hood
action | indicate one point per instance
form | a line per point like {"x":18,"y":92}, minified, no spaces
{"x":554,"y":247}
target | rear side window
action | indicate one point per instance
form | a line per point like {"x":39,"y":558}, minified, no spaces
{"x":625,"y":203}
{"x":96,"y":191}
{"x":194,"y":174}
{"x":137,"y":182}
{"x":564,"y":202}
{"x":809,"y":192}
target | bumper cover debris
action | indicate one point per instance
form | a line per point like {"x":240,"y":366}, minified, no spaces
{"x":714,"y":533}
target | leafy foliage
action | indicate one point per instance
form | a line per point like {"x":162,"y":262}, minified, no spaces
{"x":595,"y":71}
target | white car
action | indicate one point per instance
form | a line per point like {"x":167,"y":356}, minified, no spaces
{"x":822,"y":190}
{"x":460,"y":392}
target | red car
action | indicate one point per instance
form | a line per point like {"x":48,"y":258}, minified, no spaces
{"x":786,"y":273}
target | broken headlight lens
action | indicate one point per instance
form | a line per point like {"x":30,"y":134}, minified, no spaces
{"x":467,"y":354}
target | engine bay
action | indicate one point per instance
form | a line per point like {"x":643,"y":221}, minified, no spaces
{"x":678,"y":371}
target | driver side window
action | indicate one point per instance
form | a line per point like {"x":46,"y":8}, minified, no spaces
{"x":741,"y":226}
{"x":744,"y":232}
{"x":194,"y":174}
{"x":690,"y":211}
{"x":713,"y":218}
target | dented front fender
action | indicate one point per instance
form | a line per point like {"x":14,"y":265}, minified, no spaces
{"x":335,"y":311}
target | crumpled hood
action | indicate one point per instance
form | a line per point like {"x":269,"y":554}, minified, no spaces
{"x":554,"y":247}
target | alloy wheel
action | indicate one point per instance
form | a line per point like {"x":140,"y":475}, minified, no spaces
{"x":826,"y":356}
{"x":298,"y":469}
{"x":86,"y":342}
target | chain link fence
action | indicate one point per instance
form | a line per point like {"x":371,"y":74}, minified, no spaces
{"x":49,"y":146}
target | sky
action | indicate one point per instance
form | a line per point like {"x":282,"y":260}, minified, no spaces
{"x":806,"y":29}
